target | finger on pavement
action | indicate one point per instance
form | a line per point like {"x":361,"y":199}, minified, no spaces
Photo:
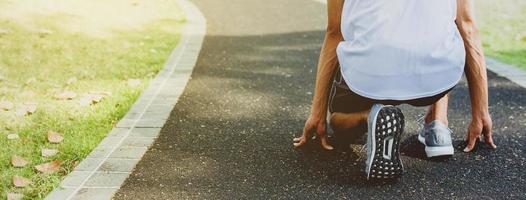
{"x":325,"y":144}
{"x":472,"y":140}
{"x":488,"y":138}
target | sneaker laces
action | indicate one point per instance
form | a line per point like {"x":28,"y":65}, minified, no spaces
{"x":421,"y":121}
{"x":363,"y":151}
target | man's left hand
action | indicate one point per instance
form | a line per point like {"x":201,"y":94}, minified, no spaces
{"x":477,"y":128}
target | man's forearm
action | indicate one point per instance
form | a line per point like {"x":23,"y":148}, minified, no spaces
{"x":327,"y":65}
{"x":475,"y":69}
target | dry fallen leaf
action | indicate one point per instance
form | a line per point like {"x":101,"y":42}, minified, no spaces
{"x":66,"y":95}
{"x":14,"y":196}
{"x":19,"y":181}
{"x":88,"y":99}
{"x":54,"y":137}
{"x":18,"y":161}
{"x":30,"y":80}
{"x":44,"y":32}
{"x":26,"y":109}
{"x":134,"y":82}
{"x":31,"y":107}
{"x":50,"y":167}
{"x":74,"y":163}
{"x":71,"y":80}
{"x":13,"y":136}
{"x":150,"y":74}
{"x":49,"y":152}
{"x":96,"y":98}
{"x":6,"y":105}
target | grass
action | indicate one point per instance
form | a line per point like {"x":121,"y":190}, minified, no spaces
{"x":103,"y":43}
{"x":503,"y":28}
{"x":52,"y":41}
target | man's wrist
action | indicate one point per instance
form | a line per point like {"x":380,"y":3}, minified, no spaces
{"x":319,"y":111}
{"x":480,"y":113}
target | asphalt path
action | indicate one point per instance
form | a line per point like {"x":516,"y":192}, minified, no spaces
{"x":230,"y":135}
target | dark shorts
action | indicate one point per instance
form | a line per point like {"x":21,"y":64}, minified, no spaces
{"x":344,"y":100}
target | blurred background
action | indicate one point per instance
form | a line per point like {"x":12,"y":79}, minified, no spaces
{"x":69,"y":69}
{"x":503,"y":28}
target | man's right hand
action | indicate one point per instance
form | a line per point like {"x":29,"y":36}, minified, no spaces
{"x":314,"y":124}
{"x":475,"y":71}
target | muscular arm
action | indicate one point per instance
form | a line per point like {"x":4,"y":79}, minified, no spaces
{"x":328,"y":62}
{"x":327,"y":65}
{"x":475,"y":71}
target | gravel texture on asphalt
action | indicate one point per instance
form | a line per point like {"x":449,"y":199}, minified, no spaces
{"x":230,"y":135}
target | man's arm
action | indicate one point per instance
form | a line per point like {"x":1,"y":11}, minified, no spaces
{"x":328,"y":61}
{"x":475,"y":71}
{"x":327,"y":65}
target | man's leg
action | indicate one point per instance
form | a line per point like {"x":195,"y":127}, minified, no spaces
{"x":438,"y":111}
{"x":349,"y":128}
{"x":435,"y":135}
{"x":349,"y":112}
{"x":355,"y":122}
{"x":348,"y":121}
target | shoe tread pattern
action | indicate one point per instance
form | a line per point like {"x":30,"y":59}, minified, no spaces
{"x":389,"y":123}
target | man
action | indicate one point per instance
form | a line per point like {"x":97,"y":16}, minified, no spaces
{"x":380,"y":53}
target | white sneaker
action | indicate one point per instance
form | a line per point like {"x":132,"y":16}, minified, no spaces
{"x":385,"y":128}
{"x":436,"y":136}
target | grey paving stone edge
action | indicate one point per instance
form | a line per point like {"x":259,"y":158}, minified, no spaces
{"x":102,"y":173}
{"x":510,"y":72}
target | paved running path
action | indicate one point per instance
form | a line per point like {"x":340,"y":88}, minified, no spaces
{"x":230,"y":135}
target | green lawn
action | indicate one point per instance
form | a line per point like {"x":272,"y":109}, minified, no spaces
{"x":503,"y":27}
{"x":104,"y":43}
{"x":100,"y":43}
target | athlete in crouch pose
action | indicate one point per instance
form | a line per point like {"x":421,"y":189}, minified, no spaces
{"x":381,"y":53}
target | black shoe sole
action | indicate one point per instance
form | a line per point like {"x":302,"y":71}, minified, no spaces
{"x":386,"y":162}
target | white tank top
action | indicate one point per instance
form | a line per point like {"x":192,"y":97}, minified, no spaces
{"x":400,"y":49}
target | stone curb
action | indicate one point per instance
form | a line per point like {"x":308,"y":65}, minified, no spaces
{"x":510,"y":72}
{"x":102,"y":173}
